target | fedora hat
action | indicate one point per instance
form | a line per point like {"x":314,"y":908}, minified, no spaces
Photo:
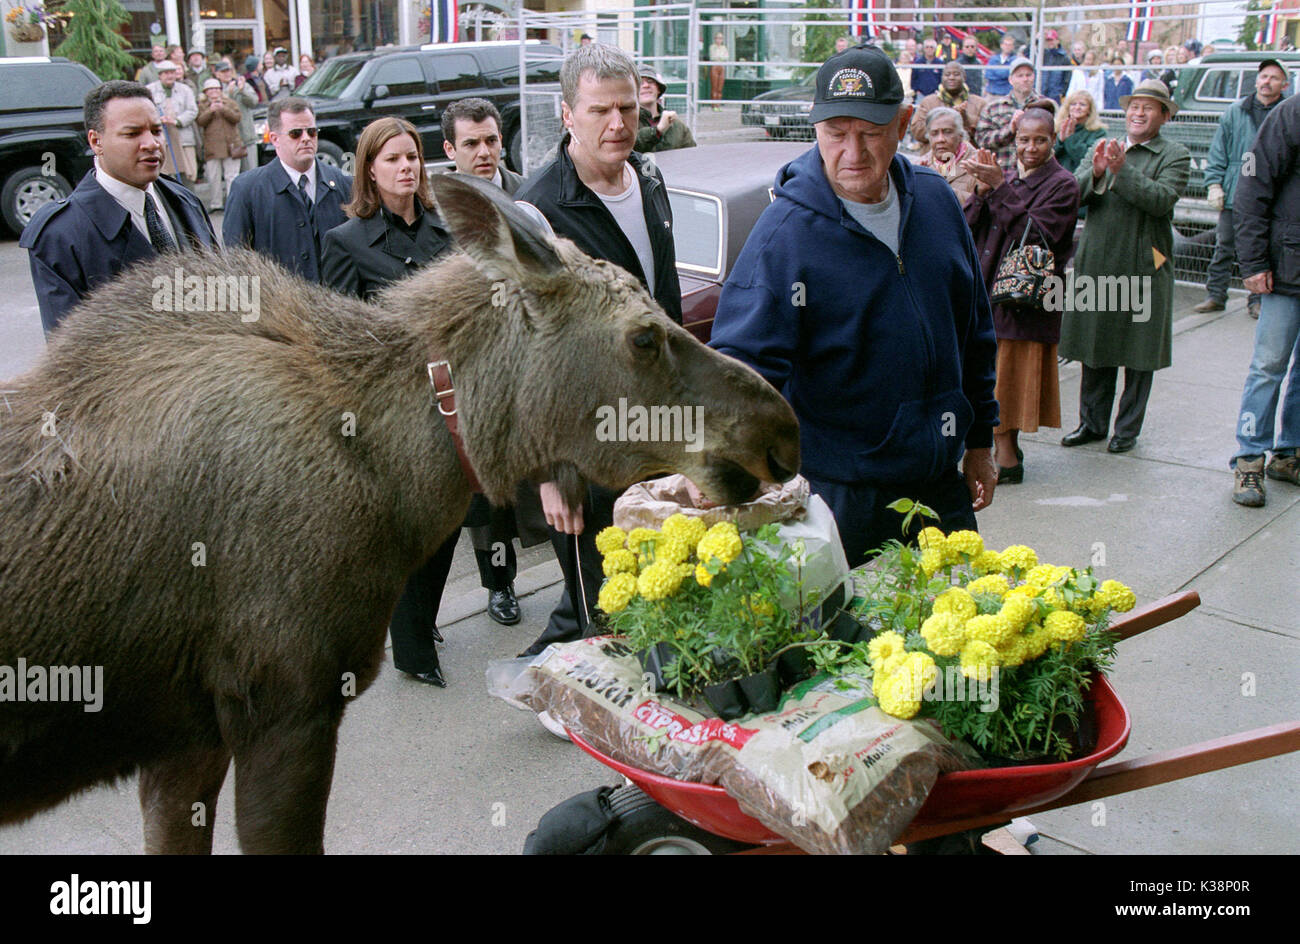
{"x":1151,"y":88}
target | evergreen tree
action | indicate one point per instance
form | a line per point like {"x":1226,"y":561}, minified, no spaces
{"x":93,"y":40}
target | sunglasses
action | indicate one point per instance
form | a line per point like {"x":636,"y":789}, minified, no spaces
{"x":297,"y":133}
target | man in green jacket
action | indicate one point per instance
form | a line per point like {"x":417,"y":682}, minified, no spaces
{"x":659,"y":130}
{"x":1232,"y":139}
{"x":1118,"y":308}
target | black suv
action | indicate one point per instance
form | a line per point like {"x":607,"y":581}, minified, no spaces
{"x":43,"y":149}
{"x":416,"y":83}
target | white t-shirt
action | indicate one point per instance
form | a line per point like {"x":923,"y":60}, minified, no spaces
{"x":881,"y":219}
{"x":630,"y":217}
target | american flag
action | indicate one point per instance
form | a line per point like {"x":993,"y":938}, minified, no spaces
{"x":1267,"y":36}
{"x":1139,"y":27}
{"x":864,"y":21}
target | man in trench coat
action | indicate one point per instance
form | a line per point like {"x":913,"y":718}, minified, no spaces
{"x":1118,"y":312}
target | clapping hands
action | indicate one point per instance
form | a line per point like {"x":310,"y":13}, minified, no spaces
{"x":985,"y":169}
{"x":1109,"y":155}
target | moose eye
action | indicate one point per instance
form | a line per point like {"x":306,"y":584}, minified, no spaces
{"x":645,"y":340}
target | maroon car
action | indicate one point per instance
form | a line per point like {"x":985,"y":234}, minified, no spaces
{"x":717,"y":192}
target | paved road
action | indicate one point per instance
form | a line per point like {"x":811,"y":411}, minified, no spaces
{"x":422,"y":770}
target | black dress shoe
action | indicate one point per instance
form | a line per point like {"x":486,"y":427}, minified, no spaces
{"x":503,"y":607}
{"x":1012,"y":475}
{"x":1121,"y":443}
{"x":437,"y":636}
{"x":432,"y":677}
{"x":1080,"y":436}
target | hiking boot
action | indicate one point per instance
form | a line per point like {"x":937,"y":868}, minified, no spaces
{"x":1248,"y":482}
{"x":1284,"y":469}
{"x":1209,"y":304}
{"x":1253,"y":310}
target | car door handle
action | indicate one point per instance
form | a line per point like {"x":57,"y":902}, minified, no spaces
{"x":428,"y":108}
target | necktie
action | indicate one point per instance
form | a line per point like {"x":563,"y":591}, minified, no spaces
{"x":302,"y":192}
{"x":158,"y":235}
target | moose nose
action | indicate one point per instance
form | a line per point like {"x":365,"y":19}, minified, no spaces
{"x":783,"y":468}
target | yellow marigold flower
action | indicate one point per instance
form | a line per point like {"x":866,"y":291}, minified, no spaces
{"x":1026,"y":590}
{"x":987,"y":562}
{"x":1054,"y":598}
{"x":994,"y":584}
{"x":1117,"y":596}
{"x":993,"y":629}
{"x":640,"y":536}
{"x":892,"y":696}
{"x":702,"y":576}
{"x":658,"y":581}
{"x":617,"y":593}
{"x":722,"y":541}
{"x":944,"y":634}
{"x":1040,"y":576}
{"x":685,"y":527}
{"x":978,"y":658}
{"x":759,"y":606}
{"x":610,"y":539}
{"x":1019,"y":611}
{"x":931,"y":560}
{"x":1064,"y":626}
{"x":1091,"y":608}
{"x":1015,"y":652}
{"x":619,"y":561}
{"x":686,"y":570}
{"x":919,"y":670}
{"x":1018,"y":557}
{"x":1037,"y":639}
{"x":930,"y":537}
{"x":883,"y":646}
{"x":966,"y":542}
{"x":956,"y":601}
{"x":673,"y":550}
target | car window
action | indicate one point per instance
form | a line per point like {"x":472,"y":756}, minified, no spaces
{"x":697,"y":230}
{"x":403,"y":76}
{"x":44,"y":85}
{"x":456,"y":73}
{"x":1220,"y":85}
{"x":331,"y":78}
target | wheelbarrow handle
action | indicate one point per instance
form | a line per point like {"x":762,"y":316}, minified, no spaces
{"x":1155,"y":614}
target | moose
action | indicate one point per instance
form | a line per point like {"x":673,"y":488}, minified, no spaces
{"x":221,"y":511}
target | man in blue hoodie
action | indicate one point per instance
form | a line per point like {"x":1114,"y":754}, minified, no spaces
{"x":858,"y":295}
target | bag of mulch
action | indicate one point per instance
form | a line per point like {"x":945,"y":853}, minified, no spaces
{"x":828,"y":770}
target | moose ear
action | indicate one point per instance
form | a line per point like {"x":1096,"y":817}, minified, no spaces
{"x":489,"y":227}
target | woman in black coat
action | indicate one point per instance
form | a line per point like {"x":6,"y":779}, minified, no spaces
{"x":392,"y":231}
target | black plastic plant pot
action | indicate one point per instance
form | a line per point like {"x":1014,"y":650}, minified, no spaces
{"x":725,"y":699}
{"x":725,"y":661}
{"x":655,"y":659}
{"x":794,"y":666}
{"x":762,"y":689}
{"x":845,"y":628}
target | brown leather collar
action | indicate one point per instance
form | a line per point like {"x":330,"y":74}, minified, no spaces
{"x":445,"y":392}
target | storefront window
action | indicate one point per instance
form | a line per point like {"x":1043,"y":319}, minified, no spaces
{"x":340,"y":26}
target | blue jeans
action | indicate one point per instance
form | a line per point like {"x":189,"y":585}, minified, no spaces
{"x":1277,"y":341}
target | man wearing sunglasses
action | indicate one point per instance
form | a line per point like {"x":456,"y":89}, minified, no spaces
{"x":285,"y":208}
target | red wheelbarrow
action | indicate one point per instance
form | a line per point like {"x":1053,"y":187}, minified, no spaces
{"x":967,"y":800}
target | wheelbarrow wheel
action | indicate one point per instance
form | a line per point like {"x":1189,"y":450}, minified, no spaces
{"x":643,"y":827}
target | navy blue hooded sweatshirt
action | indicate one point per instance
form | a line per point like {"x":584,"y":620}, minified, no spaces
{"x":887,"y":360}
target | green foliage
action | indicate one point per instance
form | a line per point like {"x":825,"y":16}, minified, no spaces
{"x":1250,"y":26}
{"x":92,"y":38}
{"x":819,"y":44}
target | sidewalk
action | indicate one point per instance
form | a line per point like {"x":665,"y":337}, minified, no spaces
{"x":431,"y":771}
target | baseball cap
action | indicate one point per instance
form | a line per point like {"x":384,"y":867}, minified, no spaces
{"x":860,"y":82}
{"x":1274,"y":63}
{"x":1051,"y":34}
{"x":277,"y":50}
{"x":197,"y":51}
{"x":211,"y":83}
{"x":1017,"y":62}
{"x":167,"y":66}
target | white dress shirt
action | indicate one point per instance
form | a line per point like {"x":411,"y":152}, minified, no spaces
{"x":132,"y":199}
{"x":310,"y":174}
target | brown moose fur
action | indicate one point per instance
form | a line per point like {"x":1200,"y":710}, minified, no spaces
{"x":175,"y":429}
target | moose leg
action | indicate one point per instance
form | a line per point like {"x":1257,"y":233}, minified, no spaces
{"x":178,"y":798}
{"x":282,"y":784}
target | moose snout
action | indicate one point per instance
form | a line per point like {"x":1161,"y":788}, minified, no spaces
{"x":783,"y":461}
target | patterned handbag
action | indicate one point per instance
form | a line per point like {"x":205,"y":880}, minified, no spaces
{"x":1021,"y":280}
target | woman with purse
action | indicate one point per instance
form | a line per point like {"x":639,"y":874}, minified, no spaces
{"x":393,"y":230}
{"x":1014,"y":218}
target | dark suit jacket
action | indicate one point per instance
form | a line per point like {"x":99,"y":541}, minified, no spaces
{"x":78,"y":243}
{"x":265,"y":213}
{"x":510,"y":181}
{"x":364,"y":255}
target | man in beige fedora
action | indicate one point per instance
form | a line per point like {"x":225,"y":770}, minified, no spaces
{"x":1120,"y":313}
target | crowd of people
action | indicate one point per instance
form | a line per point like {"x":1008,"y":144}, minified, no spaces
{"x":918,"y":373}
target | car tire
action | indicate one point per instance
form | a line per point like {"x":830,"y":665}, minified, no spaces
{"x":515,"y":151}
{"x":26,"y":191}
{"x":643,"y":827}
{"x":331,"y":154}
